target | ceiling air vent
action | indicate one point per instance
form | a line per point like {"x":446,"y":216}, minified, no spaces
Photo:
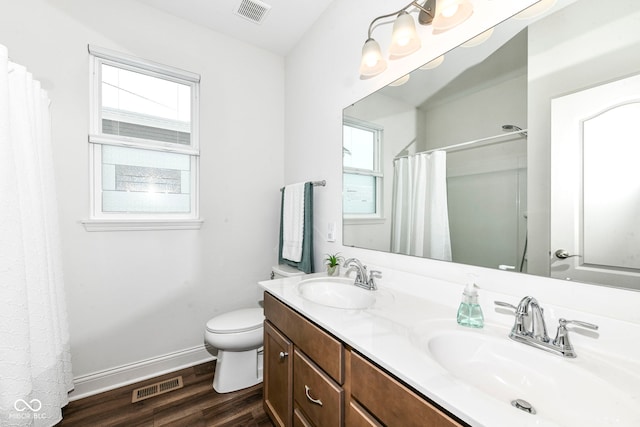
{"x":253,"y":10}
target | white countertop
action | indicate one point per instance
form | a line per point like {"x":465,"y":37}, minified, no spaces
{"x":394,"y":334}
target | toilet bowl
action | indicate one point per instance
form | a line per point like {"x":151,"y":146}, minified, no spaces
{"x":238,"y":337}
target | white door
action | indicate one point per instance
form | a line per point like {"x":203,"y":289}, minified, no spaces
{"x":595,"y":184}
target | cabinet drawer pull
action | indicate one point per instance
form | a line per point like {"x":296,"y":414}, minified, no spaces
{"x":306,"y":391}
{"x":283,"y":354}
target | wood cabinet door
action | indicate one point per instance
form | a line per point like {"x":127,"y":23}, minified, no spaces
{"x":278,"y":376}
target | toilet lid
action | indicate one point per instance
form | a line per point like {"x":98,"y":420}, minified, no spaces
{"x":243,"y":320}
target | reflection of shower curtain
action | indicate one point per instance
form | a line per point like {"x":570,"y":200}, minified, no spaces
{"x":35,"y":365}
{"x":420,"y":218}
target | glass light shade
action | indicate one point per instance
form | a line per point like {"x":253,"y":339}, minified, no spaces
{"x":372,"y":62}
{"x":479,"y":39}
{"x":450,"y":14}
{"x":404,"y":39}
{"x":402,"y":80}
{"x":536,"y":9}
{"x":433,"y":63}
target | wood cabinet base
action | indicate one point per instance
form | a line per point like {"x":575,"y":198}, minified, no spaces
{"x":312,"y":380}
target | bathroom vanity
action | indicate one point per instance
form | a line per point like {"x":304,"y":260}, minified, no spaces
{"x":312,"y":378}
{"x":398,"y":357}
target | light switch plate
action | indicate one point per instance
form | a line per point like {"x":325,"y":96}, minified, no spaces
{"x":331,"y":232}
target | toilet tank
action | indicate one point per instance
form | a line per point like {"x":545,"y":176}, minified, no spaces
{"x":282,"y":270}
{"x":279,"y":272}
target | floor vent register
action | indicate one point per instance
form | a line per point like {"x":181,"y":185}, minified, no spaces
{"x":156,"y":389}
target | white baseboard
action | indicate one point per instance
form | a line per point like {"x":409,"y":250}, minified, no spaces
{"x":109,"y":379}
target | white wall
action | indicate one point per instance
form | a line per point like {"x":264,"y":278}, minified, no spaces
{"x":134,"y":296}
{"x":322,"y":79}
{"x":479,"y":114}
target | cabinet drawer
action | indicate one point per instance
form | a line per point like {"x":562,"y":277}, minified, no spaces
{"x":357,"y":416}
{"x":325,"y":350}
{"x":390,"y":401}
{"x":319,"y":398}
{"x":299,"y":420}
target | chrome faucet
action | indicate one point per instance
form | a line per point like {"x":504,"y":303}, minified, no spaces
{"x":363,"y":279}
{"x":530,"y":328}
{"x":529,"y":310}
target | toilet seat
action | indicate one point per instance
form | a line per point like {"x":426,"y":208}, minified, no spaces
{"x":242,"y":320}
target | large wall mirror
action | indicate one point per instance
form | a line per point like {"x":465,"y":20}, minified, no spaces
{"x":510,"y":152}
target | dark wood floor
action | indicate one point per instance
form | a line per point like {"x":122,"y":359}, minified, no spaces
{"x":196,"y":404}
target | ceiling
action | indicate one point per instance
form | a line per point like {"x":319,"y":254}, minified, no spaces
{"x":283,"y":25}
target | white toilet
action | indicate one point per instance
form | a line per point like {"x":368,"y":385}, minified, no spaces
{"x":238,"y":336}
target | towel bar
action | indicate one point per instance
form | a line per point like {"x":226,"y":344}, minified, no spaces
{"x":315,"y":184}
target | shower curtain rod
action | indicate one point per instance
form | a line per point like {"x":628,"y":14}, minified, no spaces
{"x":464,"y":145}
{"x":322,"y":183}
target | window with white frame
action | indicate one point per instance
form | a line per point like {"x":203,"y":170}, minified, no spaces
{"x":143,"y":140}
{"x":362,"y":175}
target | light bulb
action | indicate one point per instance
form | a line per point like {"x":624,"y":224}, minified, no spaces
{"x":451,"y":13}
{"x":403,"y":39}
{"x":371,"y":60}
{"x":450,"y":10}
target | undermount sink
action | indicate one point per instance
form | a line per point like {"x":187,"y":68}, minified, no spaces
{"x":336,"y":292}
{"x":560,"y":391}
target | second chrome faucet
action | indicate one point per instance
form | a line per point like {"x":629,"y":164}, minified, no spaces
{"x":530,"y":328}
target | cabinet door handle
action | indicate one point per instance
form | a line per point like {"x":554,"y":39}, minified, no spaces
{"x":306,"y":391}
{"x":283,"y":354}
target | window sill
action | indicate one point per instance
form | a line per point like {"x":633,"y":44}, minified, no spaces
{"x":364,"y":221}
{"x":141,"y":224}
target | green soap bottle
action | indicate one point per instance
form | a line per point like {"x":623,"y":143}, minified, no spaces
{"x":470,"y":312}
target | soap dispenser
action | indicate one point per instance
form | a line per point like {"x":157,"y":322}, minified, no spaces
{"x":470,"y":312}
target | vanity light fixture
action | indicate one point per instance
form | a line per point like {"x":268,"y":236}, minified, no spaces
{"x":441,"y":14}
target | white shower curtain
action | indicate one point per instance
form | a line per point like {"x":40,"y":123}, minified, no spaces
{"x":420,"y":217}
{"x":35,"y":361}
